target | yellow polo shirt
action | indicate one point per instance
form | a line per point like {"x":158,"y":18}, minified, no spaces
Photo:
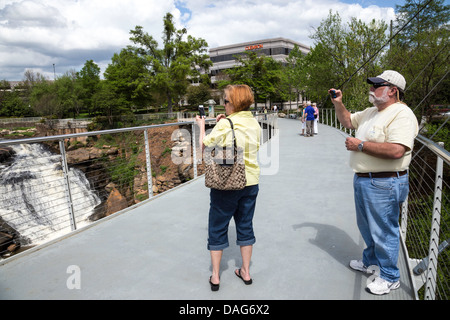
{"x":248,"y":134}
{"x":395,"y":124}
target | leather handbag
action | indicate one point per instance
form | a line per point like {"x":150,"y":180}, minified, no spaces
{"x":225,"y":167}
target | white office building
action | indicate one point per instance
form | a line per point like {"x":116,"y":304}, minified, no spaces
{"x":278,"y":48}
{"x":225,"y":57}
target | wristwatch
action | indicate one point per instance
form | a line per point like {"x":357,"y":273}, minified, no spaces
{"x":360,"y":146}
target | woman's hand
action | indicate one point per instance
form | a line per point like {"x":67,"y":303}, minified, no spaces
{"x":200,"y":121}
{"x":220,"y":117}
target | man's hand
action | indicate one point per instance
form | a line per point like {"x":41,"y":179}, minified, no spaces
{"x":352,"y":144}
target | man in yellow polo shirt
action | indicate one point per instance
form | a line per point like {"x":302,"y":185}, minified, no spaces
{"x":380,"y":156}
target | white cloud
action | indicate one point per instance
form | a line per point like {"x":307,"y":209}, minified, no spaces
{"x":228,"y":22}
{"x":35,"y":34}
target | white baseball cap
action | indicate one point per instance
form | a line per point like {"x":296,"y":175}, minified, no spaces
{"x":391,"y":76}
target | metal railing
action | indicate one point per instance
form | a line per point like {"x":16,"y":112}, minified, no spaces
{"x":424,"y":221}
{"x":66,"y":187}
{"x":51,"y":186}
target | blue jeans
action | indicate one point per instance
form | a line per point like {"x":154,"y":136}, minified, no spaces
{"x":225,"y":204}
{"x":377,"y":202}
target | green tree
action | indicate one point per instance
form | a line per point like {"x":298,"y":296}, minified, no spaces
{"x":294,"y":74}
{"x":198,"y":94}
{"x":128,"y":79}
{"x":343,"y":57}
{"x":88,"y":79}
{"x":43,"y":99}
{"x":420,"y":53}
{"x":259,"y":72}
{"x":171,"y":67}
{"x":11,"y":104}
{"x":58,"y":99}
{"x":66,"y":91}
{"x":107,"y":102}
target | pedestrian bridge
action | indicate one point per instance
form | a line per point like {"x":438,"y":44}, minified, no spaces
{"x":305,"y":230}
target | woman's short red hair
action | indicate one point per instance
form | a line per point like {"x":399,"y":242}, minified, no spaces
{"x":240,"y":95}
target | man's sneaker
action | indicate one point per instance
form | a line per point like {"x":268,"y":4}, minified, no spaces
{"x":359,"y":266}
{"x":381,"y":286}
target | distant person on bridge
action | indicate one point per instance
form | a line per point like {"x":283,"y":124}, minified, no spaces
{"x":239,"y":204}
{"x":316,"y":118}
{"x":302,"y":118}
{"x":309,"y":117}
{"x":380,"y":156}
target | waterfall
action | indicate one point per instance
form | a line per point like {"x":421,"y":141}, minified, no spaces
{"x":33,"y":197}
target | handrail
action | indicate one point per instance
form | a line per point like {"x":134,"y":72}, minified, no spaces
{"x":92,"y":133}
{"x":39,"y":186}
{"x":100,"y":132}
{"x":435,"y":148}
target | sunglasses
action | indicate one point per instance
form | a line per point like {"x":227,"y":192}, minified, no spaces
{"x":226,"y":101}
{"x":378,"y":85}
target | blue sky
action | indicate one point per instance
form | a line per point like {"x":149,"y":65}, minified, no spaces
{"x":37,"y":34}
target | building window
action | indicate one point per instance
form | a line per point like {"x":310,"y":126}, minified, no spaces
{"x":265,"y":51}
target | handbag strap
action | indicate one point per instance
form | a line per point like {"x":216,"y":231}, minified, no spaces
{"x":232,"y":130}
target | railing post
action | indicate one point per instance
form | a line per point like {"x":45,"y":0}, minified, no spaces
{"x":430,"y":285}
{"x":194,"y":150}
{"x":148,"y":164}
{"x":65,"y":169}
{"x":404,"y":219}
{"x":335,"y":120}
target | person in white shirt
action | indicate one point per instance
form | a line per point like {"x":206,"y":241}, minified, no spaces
{"x":316,"y":118}
{"x":380,"y":156}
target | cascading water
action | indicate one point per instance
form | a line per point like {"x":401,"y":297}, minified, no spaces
{"x":33,"y":198}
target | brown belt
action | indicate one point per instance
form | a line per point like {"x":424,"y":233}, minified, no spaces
{"x":381,"y":174}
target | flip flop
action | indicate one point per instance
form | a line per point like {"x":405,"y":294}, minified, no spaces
{"x":214,"y":287}
{"x":247,"y":282}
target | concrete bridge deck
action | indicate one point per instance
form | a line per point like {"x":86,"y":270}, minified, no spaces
{"x":304,"y":224}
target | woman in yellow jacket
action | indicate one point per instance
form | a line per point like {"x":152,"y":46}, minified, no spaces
{"x":239,"y":204}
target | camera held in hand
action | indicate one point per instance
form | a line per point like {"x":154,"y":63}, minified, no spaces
{"x":201,"y":110}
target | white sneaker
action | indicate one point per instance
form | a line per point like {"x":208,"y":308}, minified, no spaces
{"x":359,"y":266}
{"x":381,"y":286}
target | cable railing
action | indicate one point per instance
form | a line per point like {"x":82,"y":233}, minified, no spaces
{"x":51,"y":186}
{"x":424,"y":221}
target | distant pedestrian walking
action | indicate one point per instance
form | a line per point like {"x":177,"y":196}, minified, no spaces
{"x":316,"y":118}
{"x":302,"y":118}
{"x":309,"y":117}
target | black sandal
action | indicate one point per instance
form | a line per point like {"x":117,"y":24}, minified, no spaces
{"x":214,"y":287}
{"x":247,"y":282}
